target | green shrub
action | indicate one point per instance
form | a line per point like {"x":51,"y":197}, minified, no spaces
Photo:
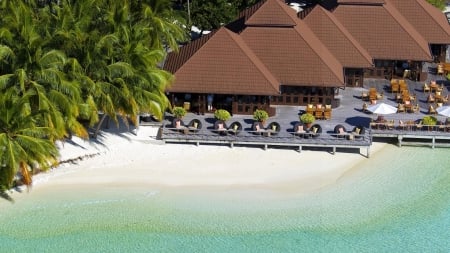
{"x":307,"y":118}
{"x":429,"y":120}
{"x":260,"y":115}
{"x":179,"y":112}
{"x":222,"y":114}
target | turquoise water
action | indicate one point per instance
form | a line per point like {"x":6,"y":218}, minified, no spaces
{"x":396,"y":201}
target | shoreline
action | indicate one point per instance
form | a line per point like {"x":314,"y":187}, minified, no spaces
{"x":127,"y":160}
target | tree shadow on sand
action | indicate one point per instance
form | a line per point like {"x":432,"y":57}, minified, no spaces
{"x":6,"y":196}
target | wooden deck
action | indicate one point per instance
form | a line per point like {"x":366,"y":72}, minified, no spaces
{"x":324,"y":141}
{"x":410,"y":137}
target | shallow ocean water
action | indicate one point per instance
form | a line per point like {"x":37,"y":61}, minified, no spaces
{"x":396,"y":201}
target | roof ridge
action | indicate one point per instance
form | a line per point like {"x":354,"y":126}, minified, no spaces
{"x":407,"y":27}
{"x":348,"y":35}
{"x":254,"y":59}
{"x":314,"y":42}
{"x":258,"y":18}
{"x":425,"y":7}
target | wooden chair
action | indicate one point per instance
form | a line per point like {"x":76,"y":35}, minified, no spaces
{"x":310,"y":109}
{"x":431,"y":110}
{"x":390,"y":124}
{"x":401,"y":108}
{"x":430,"y":98}
{"x":318,"y":114}
{"x":364,"y":96}
{"x":416,"y":108}
{"x":364,"y":107}
{"x":327,"y":112}
{"x":394,"y":86}
{"x":401,"y":125}
{"x":419,"y":125}
{"x":426,"y":88}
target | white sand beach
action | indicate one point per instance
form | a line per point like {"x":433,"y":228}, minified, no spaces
{"x":128,"y":160}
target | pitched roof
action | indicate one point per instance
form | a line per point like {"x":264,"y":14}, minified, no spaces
{"x":224,"y":65}
{"x":383,"y":32}
{"x":429,"y":21}
{"x":175,"y":60}
{"x":337,"y":39}
{"x":366,"y":2}
{"x":294,"y":60}
{"x":272,"y":13}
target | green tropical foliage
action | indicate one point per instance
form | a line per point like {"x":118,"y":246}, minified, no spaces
{"x":24,"y":143}
{"x":307,"y":118}
{"x":260,"y":115}
{"x":179,"y":112}
{"x":440,"y":4}
{"x":222,"y":114}
{"x":65,"y":62}
{"x":429,"y":120}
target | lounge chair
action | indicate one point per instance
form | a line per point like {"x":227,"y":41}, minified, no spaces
{"x":299,"y":129}
{"x":179,"y":126}
{"x":235,"y":128}
{"x":258,"y":128}
{"x":315,"y":130}
{"x":195,"y":125}
{"x":340,"y":131}
{"x":273,"y":128}
{"x":358,"y":132}
{"x":220,"y":127}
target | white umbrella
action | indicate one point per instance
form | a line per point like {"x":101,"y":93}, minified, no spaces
{"x":382,"y":108}
{"x":444,"y":111}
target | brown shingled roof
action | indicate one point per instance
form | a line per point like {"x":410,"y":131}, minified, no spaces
{"x":293,"y":54}
{"x":381,"y":34}
{"x":292,"y":60}
{"x":429,"y":21}
{"x":175,"y":60}
{"x":271,"y":13}
{"x":225,"y":65}
{"x":337,"y":39}
{"x":368,"y":2}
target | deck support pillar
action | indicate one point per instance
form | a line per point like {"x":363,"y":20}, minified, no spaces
{"x":400,"y":138}
{"x":265,"y":146}
{"x":231,"y":144}
{"x":334,"y":150}
{"x":368,"y":152}
{"x":434,"y":142}
{"x":300,"y":148}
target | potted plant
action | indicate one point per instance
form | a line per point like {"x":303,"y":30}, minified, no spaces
{"x":307,"y":119}
{"x":179,"y":112}
{"x":429,"y":121}
{"x":260,"y":115}
{"x":222,"y":114}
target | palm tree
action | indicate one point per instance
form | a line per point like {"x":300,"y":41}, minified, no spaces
{"x":24,"y":144}
{"x":27,"y":65}
{"x":115,"y":55}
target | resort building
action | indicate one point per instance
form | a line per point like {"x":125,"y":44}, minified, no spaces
{"x":273,"y":55}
